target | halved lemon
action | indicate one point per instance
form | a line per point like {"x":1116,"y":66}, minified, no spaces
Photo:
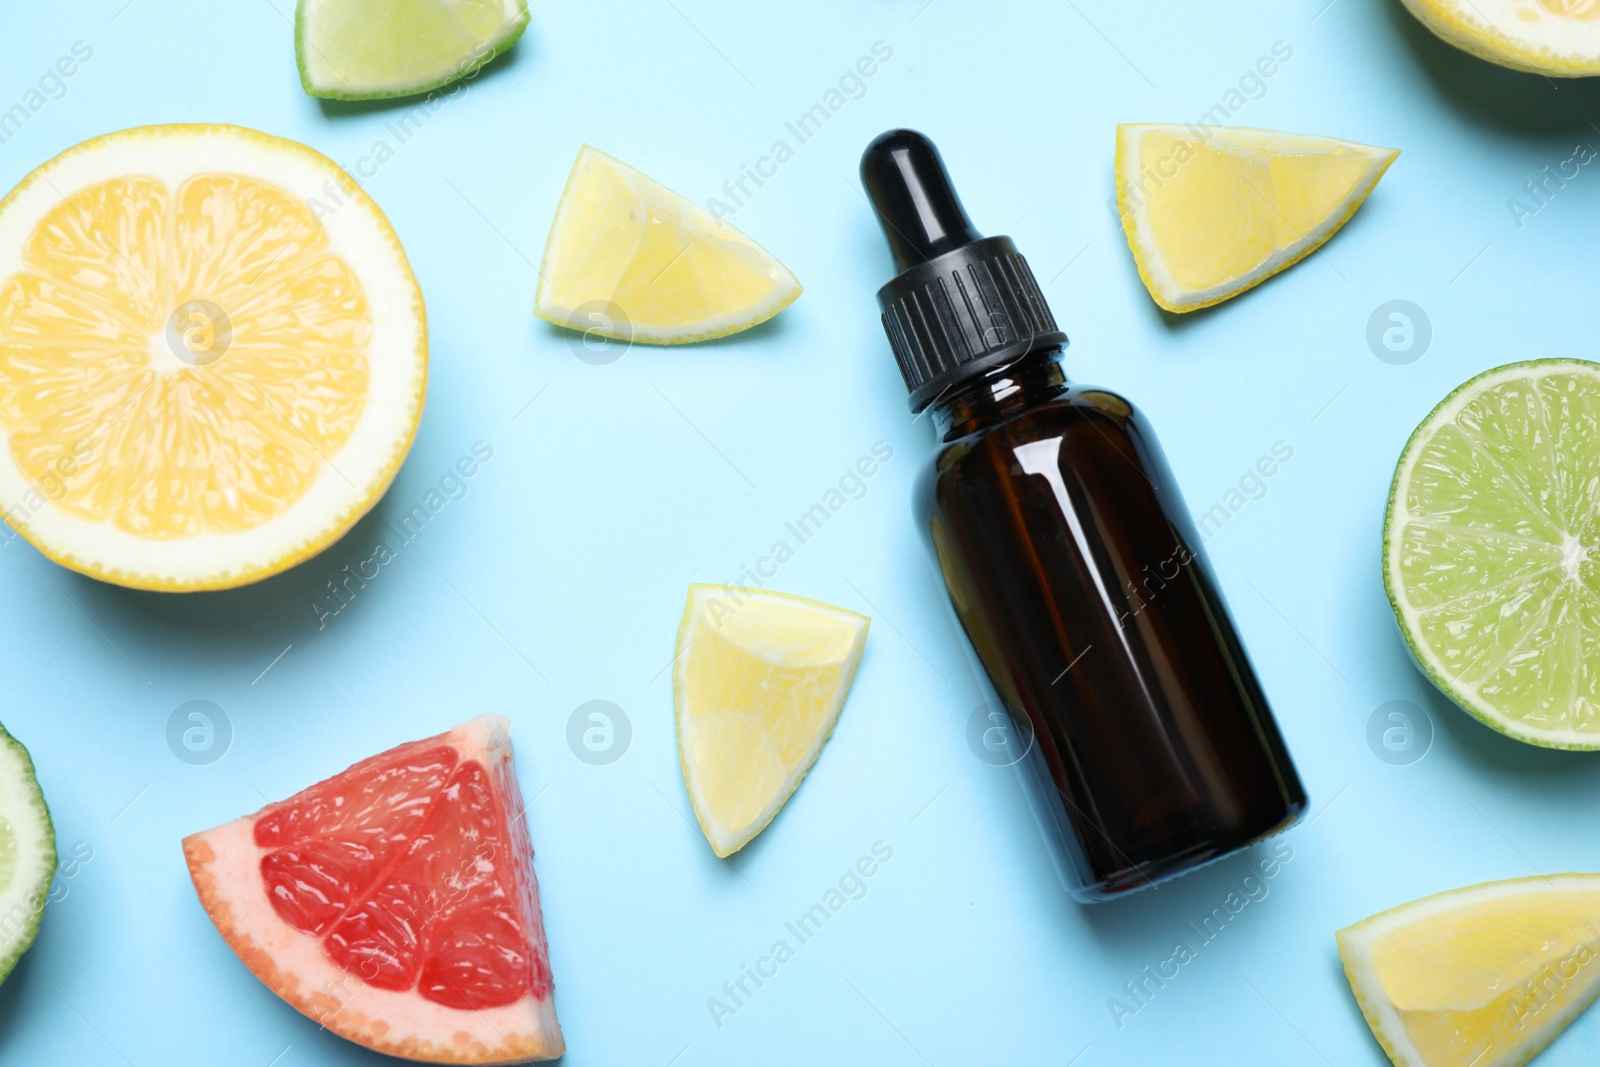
{"x":1210,"y":212}
{"x":1559,"y":38}
{"x":1486,"y":976}
{"x":213,"y":355}
{"x":631,"y":259}
{"x":760,"y":680}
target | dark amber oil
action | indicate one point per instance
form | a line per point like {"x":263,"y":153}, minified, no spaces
{"x":1072,"y":564}
{"x":1077,"y":574}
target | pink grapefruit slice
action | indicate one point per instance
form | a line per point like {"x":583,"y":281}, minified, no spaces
{"x":395,"y":903}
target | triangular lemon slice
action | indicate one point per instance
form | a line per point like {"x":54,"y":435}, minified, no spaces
{"x":760,"y":679}
{"x":1211,"y":212}
{"x":1559,"y":38}
{"x":631,"y":259}
{"x":1485,"y":976}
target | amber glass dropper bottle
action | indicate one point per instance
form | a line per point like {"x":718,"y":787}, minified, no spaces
{"x":1072,"y":564}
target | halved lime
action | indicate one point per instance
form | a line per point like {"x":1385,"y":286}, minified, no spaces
{"x":1491,"y":549}
{"x":369,"y":49}
{"x":27,"y":852}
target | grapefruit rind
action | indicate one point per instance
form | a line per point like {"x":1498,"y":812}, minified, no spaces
{"x":357,"y":477}
{"x":225,"y":866}
{"x":1356,"y":953}
{"x":25,"y":887}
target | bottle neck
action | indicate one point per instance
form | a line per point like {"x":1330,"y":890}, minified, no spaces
{"x":996,"y":395}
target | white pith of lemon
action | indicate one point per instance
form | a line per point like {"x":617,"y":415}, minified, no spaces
{"x":1485,"y":976}
{"x":1211,"y":212}
{"x":1558,"y":38}
{"x":628,"y":258}
{"x":128,"y":458}
{"x":759,"y":681}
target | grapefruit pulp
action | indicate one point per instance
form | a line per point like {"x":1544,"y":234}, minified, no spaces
{"x":396,"y":903}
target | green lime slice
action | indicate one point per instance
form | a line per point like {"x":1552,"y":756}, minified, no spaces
{"x":1491,"y":549}
{"x":27,"y":852}
{"x":370,"y":49}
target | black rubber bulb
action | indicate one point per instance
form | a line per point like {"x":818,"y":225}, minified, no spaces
{"x":919,"y":210}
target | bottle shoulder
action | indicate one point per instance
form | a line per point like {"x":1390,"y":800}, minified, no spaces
{"x":1073,"y":405}
{"x":970,"y":459}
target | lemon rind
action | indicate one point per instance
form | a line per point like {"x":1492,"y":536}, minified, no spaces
{"x":725,"y":841}
{"x":1355,"y":952}
{"x":1474,"y":34}
{"x":361,"y":500}
{"x":545,"y":306}
{"x":1163,"y":288}
{"x":1465,"y":696}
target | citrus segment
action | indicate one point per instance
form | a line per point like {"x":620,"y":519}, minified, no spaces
{"x":628,"y":258}
{"x":368,"y":49}
{"x":212,"y":356}
{"x":1209,"y":214}
{"x":395,"y":903}
{"x":1492,"y":549}
{"x":27,"y":853}
{"x":761,"y":678}
{"x":1481,"y":977}
{"x":1558,"y":38}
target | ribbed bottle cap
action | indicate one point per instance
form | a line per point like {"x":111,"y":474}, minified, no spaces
{"x":962,"y":304}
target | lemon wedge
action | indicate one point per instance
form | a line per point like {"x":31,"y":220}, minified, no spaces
{"x":759,"y":682}
{"x":1558,"y":38}
{"x":628,"y":258}
{"x":212,"y":356}
{"x":1210,"y":213}
{"x":1481,"y":977}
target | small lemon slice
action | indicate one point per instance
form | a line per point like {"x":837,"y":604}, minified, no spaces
{"x":1559,"y":38}
{"x":1211,"y":212}
{"x":628,"y":258}
{"x":1486,"y":976}
{"x":760,"y":679}
{"x":212,"y":356}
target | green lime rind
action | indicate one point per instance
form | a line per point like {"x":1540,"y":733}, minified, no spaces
{"x":1468,"y":700}
{"x":28,"y":858}
{"x":467,"y":64}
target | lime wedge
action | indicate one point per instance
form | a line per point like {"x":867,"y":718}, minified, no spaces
{"x":27,"y":852}
{"x":369,"y":49}
{"x":1492,"y":549}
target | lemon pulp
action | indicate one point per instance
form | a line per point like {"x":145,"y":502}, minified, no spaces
{"x":1480,"y":977}
{"x":212,"y":356}
{"x":165,"y":448}
{"x":1209,"y":216}
{"x":629,"y":258}
{"x":761,"y":678}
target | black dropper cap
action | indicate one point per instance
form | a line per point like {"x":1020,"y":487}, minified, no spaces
{"x":963,"y":304}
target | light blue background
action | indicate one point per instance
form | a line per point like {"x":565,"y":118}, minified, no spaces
{"x":560,"y":577}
